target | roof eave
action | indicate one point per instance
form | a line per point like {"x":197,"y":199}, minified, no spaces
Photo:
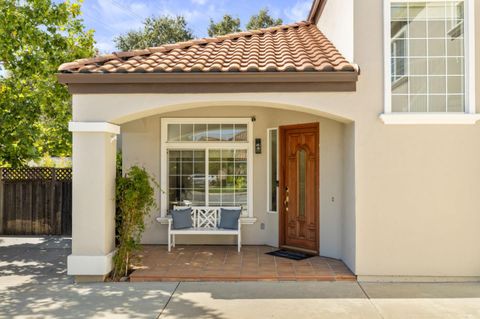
{"x":204,"y":78}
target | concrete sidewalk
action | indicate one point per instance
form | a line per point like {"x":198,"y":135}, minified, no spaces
{"x":34,"y":284}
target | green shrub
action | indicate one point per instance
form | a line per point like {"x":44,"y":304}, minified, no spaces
{"x":135,"y":199}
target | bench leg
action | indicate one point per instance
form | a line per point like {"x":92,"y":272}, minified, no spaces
{"x":173,"y":240}
{"x":239,"y":241}
{"x":169,"y":242}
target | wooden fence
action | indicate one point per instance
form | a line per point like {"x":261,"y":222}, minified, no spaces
{"x":36,"y":201}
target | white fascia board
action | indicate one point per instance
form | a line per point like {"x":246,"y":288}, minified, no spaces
{"x":94,"y":127}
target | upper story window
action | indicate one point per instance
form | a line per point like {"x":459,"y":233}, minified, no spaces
{"x":428,"y":56}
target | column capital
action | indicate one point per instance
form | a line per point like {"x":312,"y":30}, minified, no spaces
{"x":94,"y":127}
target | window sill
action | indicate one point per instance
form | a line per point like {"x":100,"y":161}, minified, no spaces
{"x":429,"y":118}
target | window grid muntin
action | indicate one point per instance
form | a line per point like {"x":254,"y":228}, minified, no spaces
{"x":452,"y":22}
{"x":236,"y":129}
{"x":223,"y":175}
{"x":208,"y":175}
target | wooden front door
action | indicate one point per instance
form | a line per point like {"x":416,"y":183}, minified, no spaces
{"x":298,"y":187}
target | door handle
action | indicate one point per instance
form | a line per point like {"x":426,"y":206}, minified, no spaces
{"x":285,"y":202}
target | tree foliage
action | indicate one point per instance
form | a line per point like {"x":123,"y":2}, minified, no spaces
{"x":262,"y":20}
{"x":156,"y":32}
{"x":228,"y":24}
{"x":135,"y":199}
{"x":36,"y":37}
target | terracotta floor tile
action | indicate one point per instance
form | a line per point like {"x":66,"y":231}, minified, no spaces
{"x":224,"y":263}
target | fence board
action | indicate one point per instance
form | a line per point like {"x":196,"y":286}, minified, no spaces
{"x":36,"y":201}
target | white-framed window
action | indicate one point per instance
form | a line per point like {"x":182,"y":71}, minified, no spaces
{"x":206,"y":162}
{"x":272,"y":170}
{"x":429,"y":58}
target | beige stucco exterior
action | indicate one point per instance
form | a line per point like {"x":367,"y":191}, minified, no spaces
{"x":408,"y":195}
{"x":141,"y":146}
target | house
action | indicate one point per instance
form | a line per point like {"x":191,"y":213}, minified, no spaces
{"x":365,"y":114}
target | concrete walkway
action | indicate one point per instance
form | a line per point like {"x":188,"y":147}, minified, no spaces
{"x":34,"y":284}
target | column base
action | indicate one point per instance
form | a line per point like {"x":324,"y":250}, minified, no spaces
{"x":86,"y":279}
{"x":95,"y":266}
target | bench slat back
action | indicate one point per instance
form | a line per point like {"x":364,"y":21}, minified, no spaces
{"x":205,"y":217}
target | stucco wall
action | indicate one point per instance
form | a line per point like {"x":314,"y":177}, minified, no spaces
{"x":336,"y":22}
{"x":412,"y":207}
{"x":417,"y":198}
{"x":141,"y":145}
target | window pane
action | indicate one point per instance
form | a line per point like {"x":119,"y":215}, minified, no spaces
{"x":437,"y":84}
{"x":241,"y":132}
{"x":186,"y":132}
{"x":186,"y":180}
{"x":207,"y":132}
{"x":437,"y":66}
{"x":302,"y":176}
{"x":418,"y":29}
{"x":428,"y":48}
{"x":436,"y":29}
{"x":418,"y":66}
{"x":272,"y":174}
{"x":227,"y":177}
{"x":399,"y":103}
{"x":455,"y":47}
{"x":227,"y":132}
{"x":418,"y":47}
{"x":436,"y":47}
{"x":214,"y":133}
{"x":418,"y":84}
{"x":418,"y":103}
{"x":200,"y":132}
{"x":399,"y":11}
{"x":455,"y":66}
{"x":455,"y":103}
{"x":436,"y":10}
{"x":173,"y":134}
{"x":455,"y":84}
{"x":416,"y":10}
{"x":438,"y":103}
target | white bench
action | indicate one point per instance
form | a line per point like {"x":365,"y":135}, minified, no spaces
{"x":205,"y":222}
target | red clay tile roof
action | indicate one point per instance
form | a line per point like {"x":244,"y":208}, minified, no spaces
{"x":289,"y":48}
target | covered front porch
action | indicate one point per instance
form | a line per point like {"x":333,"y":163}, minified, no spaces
{"x":224,"y":263}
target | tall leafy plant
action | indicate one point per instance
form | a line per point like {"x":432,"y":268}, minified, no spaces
{"x":36,"y":36}
{"x":135,"y":200}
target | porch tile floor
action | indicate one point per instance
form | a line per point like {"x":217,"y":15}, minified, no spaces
{"x":223,"y":263}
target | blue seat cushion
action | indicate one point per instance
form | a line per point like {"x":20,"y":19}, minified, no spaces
{"x":229,"y":218}
{"x":182,"y":218}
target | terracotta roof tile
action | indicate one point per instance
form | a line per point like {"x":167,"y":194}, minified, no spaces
{"x":297,"y":47}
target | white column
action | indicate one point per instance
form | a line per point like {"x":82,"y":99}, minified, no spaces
{"x":93,"y":211}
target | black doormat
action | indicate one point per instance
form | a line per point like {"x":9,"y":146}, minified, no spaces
{"x":294,"y":255}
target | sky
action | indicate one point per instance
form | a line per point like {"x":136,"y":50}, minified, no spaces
{"x":110,"y":18}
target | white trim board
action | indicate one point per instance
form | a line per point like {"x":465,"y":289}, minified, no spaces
{"x":429,"y":118}
{"x":94,"y":127}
